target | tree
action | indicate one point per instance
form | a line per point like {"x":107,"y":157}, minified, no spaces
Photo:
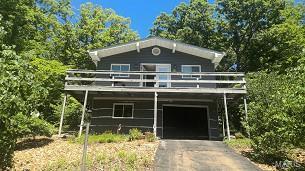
{"x":239,"y":21}
{"x":20,"y":97}
{"x":50,"y":74}
{"x":191,"y":23}
{"x":280,"y":46}
{"x":276,"y":112}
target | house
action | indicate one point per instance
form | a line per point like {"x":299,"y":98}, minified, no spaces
{"x":158,"y":85}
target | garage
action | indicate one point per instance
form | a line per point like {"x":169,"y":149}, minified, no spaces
{"x":185,"y":122}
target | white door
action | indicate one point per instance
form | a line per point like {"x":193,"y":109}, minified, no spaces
{"x":163,"y":68}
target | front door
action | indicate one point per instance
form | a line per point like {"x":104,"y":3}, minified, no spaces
{"x":156,"y":68}
{"x":165,"y":76}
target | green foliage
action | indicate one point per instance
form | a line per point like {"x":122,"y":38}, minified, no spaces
{"x":150,"y":137}
{"x":103,"y":138}
{"x":276,"y":111}
{"x":280,"y":46}
{"x":253,"y":33}
{"x":72,"y":116}
{"x":191,"y":23}
{"x":32,"y":126}
{"x":51,"y":74}
{"x":20,"y":95}
{"x":239,"y":135}
{"x":135,"y":134}
{"x":129,"y":158}
{"x":96,"y":27}
{"x":239,"y":143}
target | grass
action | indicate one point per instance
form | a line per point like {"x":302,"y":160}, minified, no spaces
{"x":239,"y":143}
{"x":102,"y":138}
{"x":108,"y":137}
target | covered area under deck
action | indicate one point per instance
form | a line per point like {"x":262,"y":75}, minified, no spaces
{"x":195,"y":116}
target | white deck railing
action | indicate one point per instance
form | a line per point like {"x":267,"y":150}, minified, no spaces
{"x":106,"y":78}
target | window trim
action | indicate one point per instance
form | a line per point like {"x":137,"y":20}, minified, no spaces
{"x":113,"y":107}
{"x":120,"y":75}
{"x":191,"y":77}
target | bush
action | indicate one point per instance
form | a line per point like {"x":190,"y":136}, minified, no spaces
{"x":135,"y":134}
{"x":103,"y":138}
{"x":276,"y":113}
{"x":150,"y":137}
{"x":32,"y":126}
{"x":239,"y":135}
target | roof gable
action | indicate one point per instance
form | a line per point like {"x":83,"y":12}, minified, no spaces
{"x":212,"y":55}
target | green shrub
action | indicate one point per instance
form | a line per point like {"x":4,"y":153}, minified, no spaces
{"x":129,"y":158}
{"x":239,"y":135}
{"x":276,"y":113}
{"x":103,"y":138}
{"x":135,"y":134}
{"x":32,"y":126}
{"x":150,"y":137}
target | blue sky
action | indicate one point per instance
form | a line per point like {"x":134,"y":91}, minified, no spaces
{"x":141,"y":12}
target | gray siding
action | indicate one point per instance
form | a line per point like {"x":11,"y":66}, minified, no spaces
{"x":176,"y":60}
{"x":142,"y":117}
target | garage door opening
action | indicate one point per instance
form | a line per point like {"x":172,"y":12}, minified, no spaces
{"x":185,"y":122}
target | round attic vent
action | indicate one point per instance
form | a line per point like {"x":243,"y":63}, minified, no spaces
{"x":156,"y":51}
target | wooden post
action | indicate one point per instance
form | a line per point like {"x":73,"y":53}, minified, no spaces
{"x":226,"y":115}
{"x":223,"y":126}
{"x":246,"y":113}
{"x":62,"y":115}
{"x":83,"y":114}
{"x":84,"y":158}
{"x":155,"y":113}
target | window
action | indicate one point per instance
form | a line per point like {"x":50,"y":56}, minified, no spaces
{"x":191,"y":69}
{"x":122,"y":110}
{"x":120,"y":67}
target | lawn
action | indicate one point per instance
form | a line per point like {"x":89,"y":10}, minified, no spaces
{"x":105,"y":152}
{"x":243,"y":147}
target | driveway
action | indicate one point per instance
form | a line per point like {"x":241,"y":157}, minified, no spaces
{"x":199,"y":155}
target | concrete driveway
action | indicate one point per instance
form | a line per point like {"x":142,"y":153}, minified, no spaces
{"x":199,"y":155}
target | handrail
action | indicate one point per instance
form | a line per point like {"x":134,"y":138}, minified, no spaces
{"x":154,"y":80}
{"x":137,"y":79}
{"x":154,"y":73}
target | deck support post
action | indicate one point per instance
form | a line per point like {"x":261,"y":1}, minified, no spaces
{"x":223,"y":126}
{"x":226,"y":115}
{"x":62,"y":115}
{"x":246,"y":112}
{"x":83,"y":114}
{"x":155,"y":113}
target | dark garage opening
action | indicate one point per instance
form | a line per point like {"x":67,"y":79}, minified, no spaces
{"x":185,"y":122}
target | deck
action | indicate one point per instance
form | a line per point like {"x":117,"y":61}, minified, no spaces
{"x":165,"y":82}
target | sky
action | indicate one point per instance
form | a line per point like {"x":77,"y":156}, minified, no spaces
{"x":142,"y":13}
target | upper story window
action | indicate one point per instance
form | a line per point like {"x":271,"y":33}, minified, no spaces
{"x":120,"y":67}
{"x":122,"y":110}
{"x":191,"y":69}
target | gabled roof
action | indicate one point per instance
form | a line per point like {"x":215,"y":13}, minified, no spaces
{"x":212,"y":55}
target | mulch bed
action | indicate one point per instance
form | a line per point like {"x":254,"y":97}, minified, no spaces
{"x":45,"y":153}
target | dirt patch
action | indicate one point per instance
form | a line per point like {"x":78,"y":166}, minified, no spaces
{"x":59,"y":154}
